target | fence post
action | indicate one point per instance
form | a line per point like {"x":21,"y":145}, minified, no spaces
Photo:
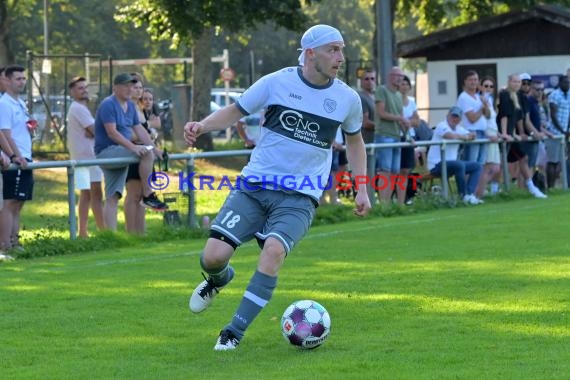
{"x":371,"y":172}
{"x":563,"y":164}
{"x":71,"y":202}
{"x":505,"y":164}
{"x":191,"y":220}
{"x":444,"y":182}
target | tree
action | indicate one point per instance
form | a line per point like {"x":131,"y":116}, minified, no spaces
{"x":8,"y":10}
{"x":432,"y":15}
{"x":195,"y":21}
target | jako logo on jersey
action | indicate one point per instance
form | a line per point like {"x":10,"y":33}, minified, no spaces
{"x":329,"y":105}
{"x":295,"y":96}
{"x":292,"y":120}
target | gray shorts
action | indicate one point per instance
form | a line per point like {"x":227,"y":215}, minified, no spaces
{"x":115,"y":175}
{"x":262,"y":213}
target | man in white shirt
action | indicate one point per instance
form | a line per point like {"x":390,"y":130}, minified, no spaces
{"x":451,"y":130}
{"x":80,"y":138}
{"x":16,"y":143}
{"x":475,"y":114}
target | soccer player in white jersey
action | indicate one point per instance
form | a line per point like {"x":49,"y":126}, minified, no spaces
{"x":275,"y":200}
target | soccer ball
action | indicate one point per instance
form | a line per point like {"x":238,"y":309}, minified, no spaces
{"x":306,"y":324}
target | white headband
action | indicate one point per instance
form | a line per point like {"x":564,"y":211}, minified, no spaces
{"x":316,"y":36}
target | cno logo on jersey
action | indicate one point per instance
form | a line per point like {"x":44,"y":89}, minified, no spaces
{"x":306,"y":128}
{"x":329,"y":105}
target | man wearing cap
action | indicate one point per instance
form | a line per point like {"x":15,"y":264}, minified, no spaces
{"x":276,"y":197}
{"x":531,"y":133}
{"x":115,"y":122}
{"x":451,"y":130}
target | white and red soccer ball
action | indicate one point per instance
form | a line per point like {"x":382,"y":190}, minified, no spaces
{"x":306,"y":324}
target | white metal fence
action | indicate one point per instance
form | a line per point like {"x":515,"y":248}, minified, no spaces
{"x":191,"y":157}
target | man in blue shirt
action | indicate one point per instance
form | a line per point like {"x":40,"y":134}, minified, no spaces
{"x":115,"y":122}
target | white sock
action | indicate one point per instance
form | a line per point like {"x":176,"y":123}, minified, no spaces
{"x":494,"y":187}
{"x":529,"y":184}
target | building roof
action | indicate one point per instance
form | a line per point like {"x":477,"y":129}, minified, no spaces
{"x":433,"y":43}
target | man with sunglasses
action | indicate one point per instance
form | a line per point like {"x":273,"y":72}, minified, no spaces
{"x":532,"y":133}
{"x":535,"y":97}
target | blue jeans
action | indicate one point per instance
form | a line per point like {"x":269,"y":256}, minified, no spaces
{"x":476,"y":152}
{"x":460,"y":169}
{"x":387,"y":159}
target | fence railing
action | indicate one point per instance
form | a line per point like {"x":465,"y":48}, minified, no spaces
{"x":190,"y":168}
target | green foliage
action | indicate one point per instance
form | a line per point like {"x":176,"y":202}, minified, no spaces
{"x":186,"y":20}
{"x":432,"y":15}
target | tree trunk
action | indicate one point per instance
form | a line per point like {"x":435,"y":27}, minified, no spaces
{"x":201,"y":84}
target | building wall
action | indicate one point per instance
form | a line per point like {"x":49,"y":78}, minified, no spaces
{"x":443,"y":73}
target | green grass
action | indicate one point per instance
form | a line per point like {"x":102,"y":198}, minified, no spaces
{"x":463,"y":293}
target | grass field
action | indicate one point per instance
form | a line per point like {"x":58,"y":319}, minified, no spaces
{"x":467,"y":293}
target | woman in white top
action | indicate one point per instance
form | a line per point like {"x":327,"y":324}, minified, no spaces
{"x":408,"y":155}
{"x":492,"y":166}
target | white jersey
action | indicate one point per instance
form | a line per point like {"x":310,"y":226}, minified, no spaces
{"x":294,"y":151}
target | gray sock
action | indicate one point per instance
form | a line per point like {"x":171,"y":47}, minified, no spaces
{"x":256,"y":296}
{"x":220,"y":276}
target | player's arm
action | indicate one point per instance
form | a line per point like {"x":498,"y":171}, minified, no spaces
{"x":215,"y":122}
{"x":356,"y":154}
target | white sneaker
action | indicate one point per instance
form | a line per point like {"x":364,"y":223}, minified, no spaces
{"x":535,"y":191}
{"x":204,"y":294}
{"x":472,"y":200}
{"x":5,"y":257}
{"x":226,"y":341}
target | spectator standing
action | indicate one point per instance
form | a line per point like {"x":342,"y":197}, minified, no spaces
{"x":559,"y":101}
{"x":390,"y":126}
{"x":510,"y":118}
{"x":116,"y":120}
{"x":475,"y":114}
{"x":537,"y":119}
{"x":531,"y":133}
{"x":81,"y":142}
{"x":279,"y":217}
{"x":466,"y":173}
{"x":4,"y":163}
{"x":135,"y":212}
{"x":367,"y":98}
{"x":151,"y":114}
{"x":408,"y":154}
{"x":18,"y":185}
{"x":492,"y":166}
